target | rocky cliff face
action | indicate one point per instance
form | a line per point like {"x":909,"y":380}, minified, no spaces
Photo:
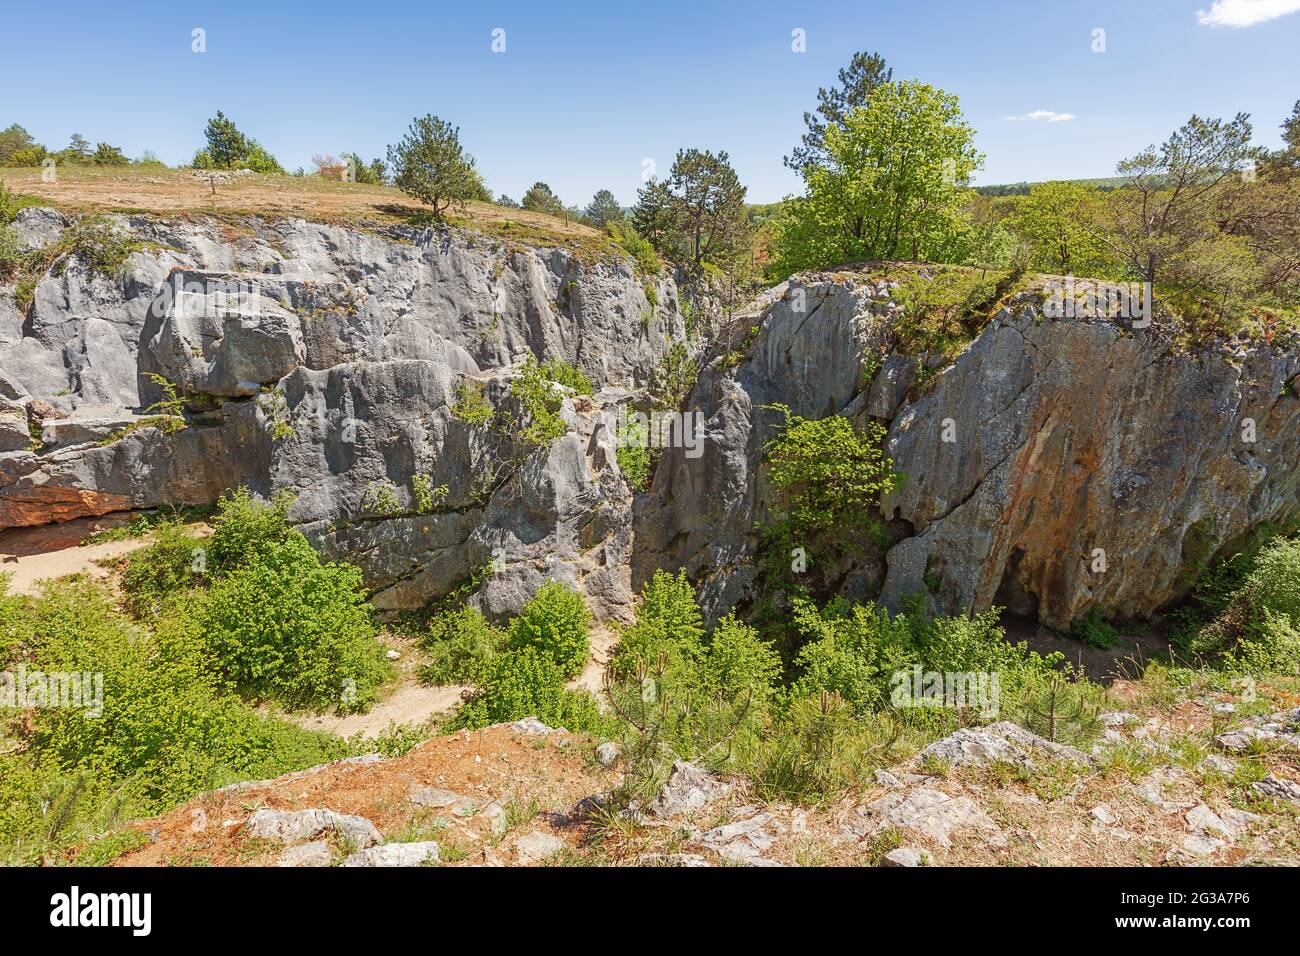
{"x":325,"y":361}
{"x":1055,"y":466}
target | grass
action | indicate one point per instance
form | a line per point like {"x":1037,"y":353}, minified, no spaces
{"x":177,"y":193}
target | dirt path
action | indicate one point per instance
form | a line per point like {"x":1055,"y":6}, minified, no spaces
{"x":32,"y":555}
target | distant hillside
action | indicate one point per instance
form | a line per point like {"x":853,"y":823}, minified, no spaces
{"x":1022,"y":189}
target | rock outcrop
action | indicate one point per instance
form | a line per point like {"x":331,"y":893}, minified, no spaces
{"x":326,"y":361}
{"x":1054,"y":466}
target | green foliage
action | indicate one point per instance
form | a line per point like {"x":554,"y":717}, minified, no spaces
{"x":633,"y":451}
{"x":828,"y":476}
{"x":527,"y":683}
{"x":533,"y":389}
{"x":245,"y":529}
{"x":641,"y":250}
{"x":890,"y":186}
{"x":567,"y":374}
{"x":1061,"y":710}
{"x":1093,"y":630}
{"x":603,"y":209}
{"x":865,"y":72}
{"x":99,"y":244}
{"x":850,"y":652}
{"x":668,"y":624}
{"x":472,"y":406}
{"x":540,"y":198}
{"x":170,"y":565}
{"x":430,"y":165}
{"x":286,"y":627}
{"x":426,"y":496}
{"x":381,"y":499}
{"x":673,"y":378}
{"x":167,"y":729}
{"x":554,"y":622}
{"x":1053,"y":219}
{"x":459,"y":643}
{"x":819,"y":750}
{"x":942,"y":313}
{"x":228,"y":148}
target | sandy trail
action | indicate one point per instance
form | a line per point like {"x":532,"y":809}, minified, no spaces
{"x":48,"y":551}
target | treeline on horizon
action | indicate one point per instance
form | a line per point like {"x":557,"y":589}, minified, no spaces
{"x":1210,"y":220}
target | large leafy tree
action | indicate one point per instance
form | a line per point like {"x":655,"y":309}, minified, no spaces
{"x":865,"y":72}
{"x":1052,"y":220}
{"x":429,"y":164}
{"x":891,"y":187}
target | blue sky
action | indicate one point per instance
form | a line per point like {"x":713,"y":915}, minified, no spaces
{"x":584,"y":93}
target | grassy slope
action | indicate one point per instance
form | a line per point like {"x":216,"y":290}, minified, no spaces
{"x":170,"y":192}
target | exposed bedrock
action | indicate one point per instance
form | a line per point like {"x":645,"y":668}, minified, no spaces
{"x":1054,"y":466}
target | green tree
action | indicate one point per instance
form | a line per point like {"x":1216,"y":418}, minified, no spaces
{"x":892,"y":187}
{"x":430,"y":165}
{"x":652,"y":216}
{"x":374,"y":173}
{"x":540,"y":198}
{"x":865,"y":72}
{"x":1163,"y":224}
{"x":1053,"y":219}
{"x":106,"y":155}
{"x":603,"y":209}
{"x":13,"y":140}
{"x":708,"y":206}
{"x":228,"y":148}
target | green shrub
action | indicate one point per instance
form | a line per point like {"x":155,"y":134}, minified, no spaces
{"x":541,"y":404}
{"x":567,"y":374}
{"x":246,"y":528}
{"x":166,"y":728}
{"x":668,"y":623}
{"x":472,"y":406}
{"x":101,"y":245}
{"x":817,"y":752}
{"x":633,"y":451}
{"x":527,"y":683}
{"x":1093,"y":630}
{"x":11,"y":253}
{"x":828,"y":477}
{"x":851,"y":652}
{"x":635,"y":245}
{"x":171,"y":564}
{"x":459,"y":643}
{"x":286,"y":627}
{"x":737,"y":661}
{"x":554,"y":622}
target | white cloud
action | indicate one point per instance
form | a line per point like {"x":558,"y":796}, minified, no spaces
{"x":1245,"y":13}
{"x":1050,"y":116}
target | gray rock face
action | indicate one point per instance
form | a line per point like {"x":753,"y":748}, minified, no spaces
{"x":326,"y":361}
{"x":1054,"y":466}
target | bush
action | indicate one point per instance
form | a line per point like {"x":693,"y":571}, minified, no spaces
{"x":635,"y":245}
{"x":460,"y":643}
{"x":668,"y":623}
{"x":102,"y":246}
{"x":851,"y":652}
{"x":739,"y":661}
{"x":246,"y":528}
{"x":541,"y":404}
{"x":286,"y":627}
{"x":633,"y":451}
{"x":567,"y":374}
{"x":555,"y":623}
{"x":167,"y":729}
{"x":165,"y":567}
{"x":527,"y":683}
{"x":828,"y":477}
